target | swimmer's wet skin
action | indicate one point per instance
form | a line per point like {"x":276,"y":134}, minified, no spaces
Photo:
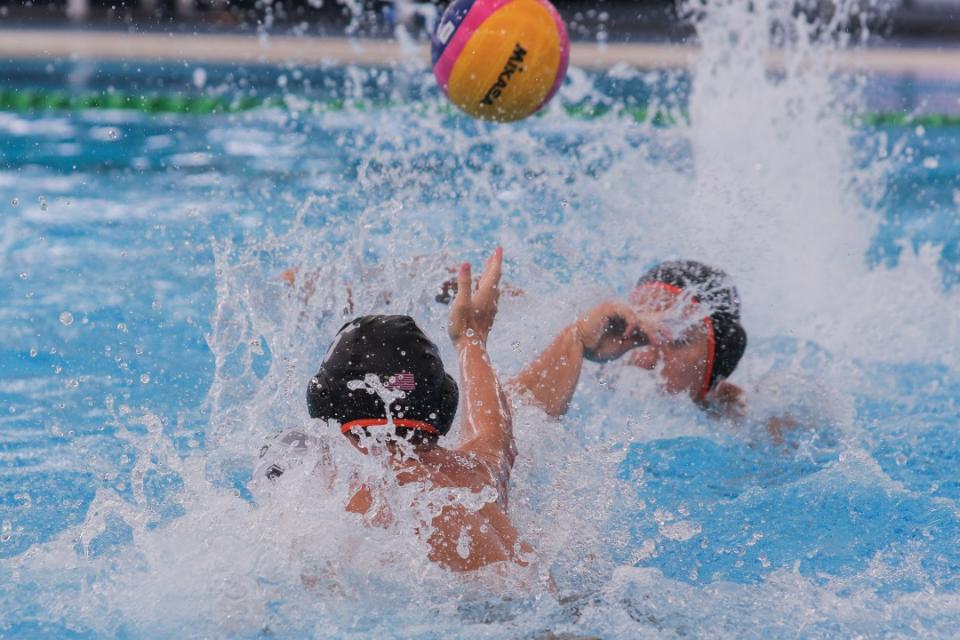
{"x":383,"y":381}
{"x":683,"y":317}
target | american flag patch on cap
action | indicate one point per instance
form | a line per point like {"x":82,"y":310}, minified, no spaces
{"x":403,"y":381}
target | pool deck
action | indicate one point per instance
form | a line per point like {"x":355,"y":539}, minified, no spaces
{"x":229,"y":48}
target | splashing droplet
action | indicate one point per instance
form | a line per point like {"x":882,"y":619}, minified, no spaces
{"x":463,"y":544}
{"x":199,"y":77}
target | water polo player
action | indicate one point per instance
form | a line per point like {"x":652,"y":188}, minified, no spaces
{"x":383,"y":383}
{"x":682,"y":319}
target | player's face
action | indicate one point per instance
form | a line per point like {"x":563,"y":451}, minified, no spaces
{"x":679,"y":348}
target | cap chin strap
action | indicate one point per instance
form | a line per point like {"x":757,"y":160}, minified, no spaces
{"x":711,"y":334}
{"x":382,"y":422}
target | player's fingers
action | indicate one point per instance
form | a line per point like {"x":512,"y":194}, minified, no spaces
{"x":491,"y":272}
{"x":463,"y":284}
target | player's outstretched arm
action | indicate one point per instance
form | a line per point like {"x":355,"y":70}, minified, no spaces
{"x":487,"y":425}
{"x":604,"y":333}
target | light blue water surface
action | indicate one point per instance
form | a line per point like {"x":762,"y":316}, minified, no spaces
{"x":107,"y":289}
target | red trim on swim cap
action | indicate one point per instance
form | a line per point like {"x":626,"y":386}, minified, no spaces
{"x":708,"y":323}
{"x":666,"y":286}
{"x":382,"y":422}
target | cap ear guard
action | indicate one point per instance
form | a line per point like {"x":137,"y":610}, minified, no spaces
{"x":730,"y":341}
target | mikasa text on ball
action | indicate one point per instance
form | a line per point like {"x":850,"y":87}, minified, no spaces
{"x":500,"y":59}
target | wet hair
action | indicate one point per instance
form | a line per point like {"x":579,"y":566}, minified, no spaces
{"x":713,"y":289}
{"x":400,"y":358}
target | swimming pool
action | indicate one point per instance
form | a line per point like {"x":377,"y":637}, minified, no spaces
{"x":150,"y":347}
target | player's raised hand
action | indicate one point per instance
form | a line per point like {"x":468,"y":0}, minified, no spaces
{"x":473,"y":311}
{"x":609,"y":330}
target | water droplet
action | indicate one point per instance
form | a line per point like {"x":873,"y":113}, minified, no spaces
{"x":23,"y":275}
{"x":470,"y":333}
{"x":515,"y":345}
{"x":901,"y":459}
{"x":43,"y":203}
{"x":113,"y":133}
{"x":199,"y":77}
{"x":122,"y":327}
{"x":66,"y":318}
{"x":463,"y":544}
{"x":144,"y":378}
{"x":33,"y":353}
{"x":15,"y":202}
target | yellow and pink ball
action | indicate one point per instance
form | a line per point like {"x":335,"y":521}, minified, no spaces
{"x":500,"y":60}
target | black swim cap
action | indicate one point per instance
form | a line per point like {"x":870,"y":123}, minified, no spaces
{"x":395,"y":350}
{"x":712,"y":288}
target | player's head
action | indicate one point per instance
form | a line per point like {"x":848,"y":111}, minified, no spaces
{"x":699,"y":339}
{"x":382,"y":371}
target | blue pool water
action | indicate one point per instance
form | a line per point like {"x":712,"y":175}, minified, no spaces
{"x":149,"y":348}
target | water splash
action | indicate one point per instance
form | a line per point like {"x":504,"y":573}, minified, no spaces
{"x":768,"y":179}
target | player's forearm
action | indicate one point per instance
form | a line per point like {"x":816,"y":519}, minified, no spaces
{"x":552,"y":378}
{"x":487,"y":419}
